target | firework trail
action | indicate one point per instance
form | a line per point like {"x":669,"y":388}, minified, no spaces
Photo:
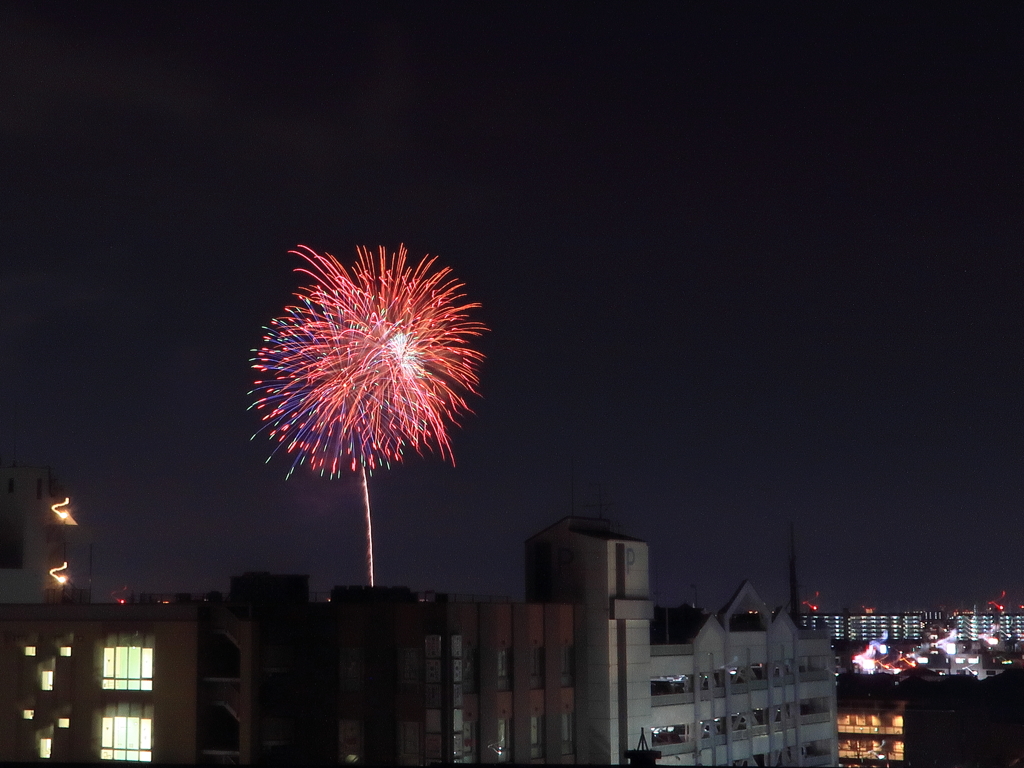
{"x":370,"y":361}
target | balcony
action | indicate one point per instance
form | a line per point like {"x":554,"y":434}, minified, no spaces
{"x":669,"y":699}
{"x":813,"y":675}
{"x":676,"y":749}
{"x":224,"y":692}
{"x":817,"y":760}
{"x":815,"y":717}
{"x":682,"y":649}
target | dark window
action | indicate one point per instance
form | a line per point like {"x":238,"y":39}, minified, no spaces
{"x":10,"y":485}
{"x":504,"y":670}
{"x":351,"y":668}
{"x":568,"y":662}
{"x":537,"y":667}
{"x":39,"y":488}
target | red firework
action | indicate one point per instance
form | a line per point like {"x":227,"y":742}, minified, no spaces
{"x":372,"y":360}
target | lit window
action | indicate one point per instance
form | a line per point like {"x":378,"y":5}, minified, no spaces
{"x":503,"y":747}
{"x":28,"y":714}
{"x":45,"y":745}
{"x":128,"y":668}
{"x":30,"y":650}
{"x":63,"y":722}
{"x":46,"y":682}
{"x":65,"y":650}
{"x":127,"y":738}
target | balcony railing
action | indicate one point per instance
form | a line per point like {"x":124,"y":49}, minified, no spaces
{"x":813,"y":761}
{"x":224,"y":692}
{"x":668,"y":699}
{"x":815,"y":717}
{"x":682,"y":649}
{"x":812,"y":675}
{"x":675,"y":749}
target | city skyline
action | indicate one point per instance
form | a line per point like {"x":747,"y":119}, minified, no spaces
{"x":741,"y":269}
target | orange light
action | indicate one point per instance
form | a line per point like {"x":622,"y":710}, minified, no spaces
{"x":62,"y":577}
{"x":61,"y":513}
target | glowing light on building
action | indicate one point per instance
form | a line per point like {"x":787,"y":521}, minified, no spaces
{"x":61,"y":578}
{"x":61,"y":513}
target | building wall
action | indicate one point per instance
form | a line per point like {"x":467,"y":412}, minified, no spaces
{"x":580,"y":560}
{"x":754,"y":697}
{"x":382,"y":679}
{"x":71,"y":713}
{"x":474,"y":681}
{"x":28,"y":544}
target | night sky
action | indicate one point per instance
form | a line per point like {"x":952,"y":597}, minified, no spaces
{"x":742,"y":267}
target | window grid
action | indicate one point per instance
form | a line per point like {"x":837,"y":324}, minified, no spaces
{"x":128,"y":668}
{"x":127,"y":738}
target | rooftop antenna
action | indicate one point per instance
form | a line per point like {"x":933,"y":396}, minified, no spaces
{"x":601,"y":504}
{"x":794,"y":589}
{"x":572,"y":487}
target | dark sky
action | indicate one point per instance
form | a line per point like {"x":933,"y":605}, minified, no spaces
{"x":742,"y":267}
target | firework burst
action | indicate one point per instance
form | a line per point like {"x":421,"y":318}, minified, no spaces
{"x":370,"y":361}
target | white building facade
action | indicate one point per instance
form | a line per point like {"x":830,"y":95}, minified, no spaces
{"x":749,"y":688}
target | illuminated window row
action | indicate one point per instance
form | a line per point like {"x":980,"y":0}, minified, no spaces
{"x":848,"y":719}
{"x":64,"y":650}
{"x":127,"y":738}
{"x":30,"y":714}
{"x":128,"y":668}
{"x":896,"y":753}
{"x":870,"y":729}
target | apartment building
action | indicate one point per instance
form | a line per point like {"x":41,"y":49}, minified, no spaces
{"x":382,"y":676}
{"x":744,"y":687}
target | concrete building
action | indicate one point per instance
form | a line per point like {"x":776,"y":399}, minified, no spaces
{"x":373,"y":676}
{"x":90,"y":683}
{"x":920,"y":718}
{"x":582,"y":562}
{"x":379,"y":676}
{"x":36,"y":531}
{"x":743,"y":687}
